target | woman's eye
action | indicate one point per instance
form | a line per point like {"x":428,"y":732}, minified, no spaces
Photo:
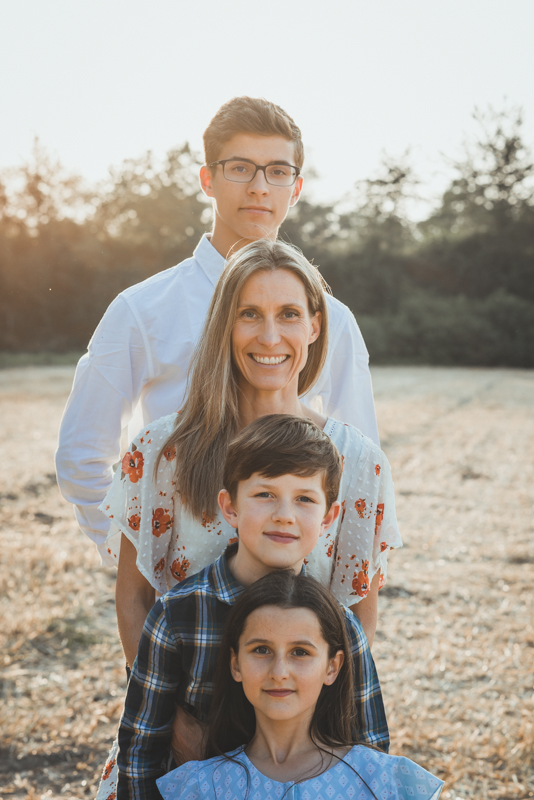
{"x":290,"y":314}
{"x":248,"y":314}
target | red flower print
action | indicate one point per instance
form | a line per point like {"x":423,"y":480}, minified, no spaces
{"x":379,"y":516}
{"x":179,"y":568}
{"x":132,"y":465}
{"x":111,"y":796}
{"x":360,"y":582}
{"x":381,"y":581}
{"x":134,"y":522}
{"x":206,"y":519}
{"x":170,"y":453}
{"x":233,"y":540}
{"x":383,"y":546}
{"x":377,"y":469}
{"x":107,"y":769}
{"x":330,"y":550}
{"x":161,"y":521}
{"x":160,"y":566}
{"x":360,"y":506}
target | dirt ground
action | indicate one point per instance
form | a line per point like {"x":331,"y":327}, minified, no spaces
{"x":455,"y":645}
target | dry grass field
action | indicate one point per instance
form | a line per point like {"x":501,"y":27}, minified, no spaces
{"x":455,"y":646}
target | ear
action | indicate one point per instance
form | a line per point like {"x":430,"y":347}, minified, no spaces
{"x":297,"y":189}
{"x":316,"y":323}
{"x":227,"y":508}
{"x":331,"y":515}
{"x":206,"y":181}
{"x":334,"y":665}
{"x":234,"y":667}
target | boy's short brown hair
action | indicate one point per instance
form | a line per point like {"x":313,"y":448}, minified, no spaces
{"x":250,"y":115}
{"x":282,"y":444}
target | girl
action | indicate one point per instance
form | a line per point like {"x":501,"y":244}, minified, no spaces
{"x":283,"y":707}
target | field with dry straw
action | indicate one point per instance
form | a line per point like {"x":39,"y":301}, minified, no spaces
{"x":455,"y":646}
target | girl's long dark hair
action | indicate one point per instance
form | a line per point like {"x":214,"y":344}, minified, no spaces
{"x":232,"y":721}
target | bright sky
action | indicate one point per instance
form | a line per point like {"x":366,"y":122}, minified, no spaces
{"x":102,"y":80}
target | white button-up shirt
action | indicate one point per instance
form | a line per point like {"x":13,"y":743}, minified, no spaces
{"x":135,"y":371}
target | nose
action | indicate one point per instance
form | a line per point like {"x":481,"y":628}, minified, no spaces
{"x":269,"y":335}
{"x":279,"y":670}
{"x":283,"y":512}
{"x":259,"y":184}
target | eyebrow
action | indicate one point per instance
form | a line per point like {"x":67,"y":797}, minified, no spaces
{"x":295,"y":303}
{"x":271,"y":486}
{"x":269,"y":163}
{"x":304,"y":642}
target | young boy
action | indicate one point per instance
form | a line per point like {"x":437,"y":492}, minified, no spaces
{"x":281,"y":481}
{"x":139,"y":355}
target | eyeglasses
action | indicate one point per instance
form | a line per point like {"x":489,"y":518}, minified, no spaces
{"x":244,"y":171}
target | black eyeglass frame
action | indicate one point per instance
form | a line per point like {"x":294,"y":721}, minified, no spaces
{"x":258,"y":167}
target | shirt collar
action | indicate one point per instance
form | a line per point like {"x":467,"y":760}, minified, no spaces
{"x":211,"y":261}
{"x":227,"y":589}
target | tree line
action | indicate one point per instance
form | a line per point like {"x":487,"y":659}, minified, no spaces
{"x":455,"y":288}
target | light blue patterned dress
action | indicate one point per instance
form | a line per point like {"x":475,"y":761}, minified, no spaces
{"x":374,"y":776}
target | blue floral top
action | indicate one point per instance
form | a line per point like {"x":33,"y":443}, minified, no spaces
{"x":364,"y":774}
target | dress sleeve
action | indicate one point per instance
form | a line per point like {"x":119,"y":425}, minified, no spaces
{"x":412,"y":780}
{"x":140,"y":505}
{"x":368,"y":525}
{"x":181,"y":782}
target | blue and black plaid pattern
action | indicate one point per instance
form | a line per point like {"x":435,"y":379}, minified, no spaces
{"x":175,"y":665}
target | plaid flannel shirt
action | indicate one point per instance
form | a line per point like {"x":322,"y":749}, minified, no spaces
{"x":175,"y":665}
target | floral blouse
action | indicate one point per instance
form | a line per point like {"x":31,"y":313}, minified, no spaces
{"x":172,"y":544}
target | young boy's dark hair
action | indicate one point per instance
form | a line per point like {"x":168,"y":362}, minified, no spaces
{"x":250,"y":115}
{"x":282,"y":444}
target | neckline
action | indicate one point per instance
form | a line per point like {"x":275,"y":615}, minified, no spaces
{"x":293,"y":783}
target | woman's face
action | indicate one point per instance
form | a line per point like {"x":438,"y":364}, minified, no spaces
{"x":273,"y":330}
{"x":283,"y":662}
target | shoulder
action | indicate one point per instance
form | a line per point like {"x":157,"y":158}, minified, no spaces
{"x":393,"y":772}
{"x":350,"y":441}
{"x":157,"y":429}
{"x":191,"y":777}
{"x":341,"y":322}
{"x":161,"y":281}
{"x":199,"y":584}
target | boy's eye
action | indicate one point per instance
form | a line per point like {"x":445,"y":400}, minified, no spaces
{"x":304,"y":499}
{"x":263,"y":494}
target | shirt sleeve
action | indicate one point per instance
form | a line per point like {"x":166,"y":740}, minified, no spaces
{"x":368,"y":525}
{"x":412,"y":780}
{"x":347,"y":392}
{"x":371,"y":726}
{"x":107,"y":385}
{"x":140,"y":504}
{"x":181,"y":782}
{"x":146,"y":726}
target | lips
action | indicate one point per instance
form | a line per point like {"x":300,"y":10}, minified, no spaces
{"x":256,"y":209}
{"x":281,"y":537}
{"x":269,"y":360}
{"x":279,"y":692}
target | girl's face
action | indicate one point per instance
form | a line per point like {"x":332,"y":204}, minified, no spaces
{"x":273,"y":330}
{"x":283,"y":662}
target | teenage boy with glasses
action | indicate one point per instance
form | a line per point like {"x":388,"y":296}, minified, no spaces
{"x":139,"y":355}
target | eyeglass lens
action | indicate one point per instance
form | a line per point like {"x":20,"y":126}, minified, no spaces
{"x":275,"y":174}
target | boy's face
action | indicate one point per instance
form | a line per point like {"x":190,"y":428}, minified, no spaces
{"x":246,"y":212}
{"x":279,"y":522}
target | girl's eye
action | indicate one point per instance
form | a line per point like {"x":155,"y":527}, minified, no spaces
{"x":261,"y":649}
{"x":299,"y":651}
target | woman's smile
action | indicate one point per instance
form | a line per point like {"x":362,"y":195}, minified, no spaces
{"x":268,"y":360}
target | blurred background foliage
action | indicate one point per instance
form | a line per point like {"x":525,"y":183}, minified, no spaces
{"x":454,"y":288}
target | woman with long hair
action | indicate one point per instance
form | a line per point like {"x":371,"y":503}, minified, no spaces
{"x":262,"y":348}
{"x":283,"y":711}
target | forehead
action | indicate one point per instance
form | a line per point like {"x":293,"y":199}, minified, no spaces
{"x":283,"y":624}
{"x":280,"y":285}
{"x":260,"y":149}
{"x":288,"y":483}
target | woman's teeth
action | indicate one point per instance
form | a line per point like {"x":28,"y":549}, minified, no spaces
{"x":267,"y":360}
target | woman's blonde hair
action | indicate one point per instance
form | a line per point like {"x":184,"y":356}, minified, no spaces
{"x":208,"y":419}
